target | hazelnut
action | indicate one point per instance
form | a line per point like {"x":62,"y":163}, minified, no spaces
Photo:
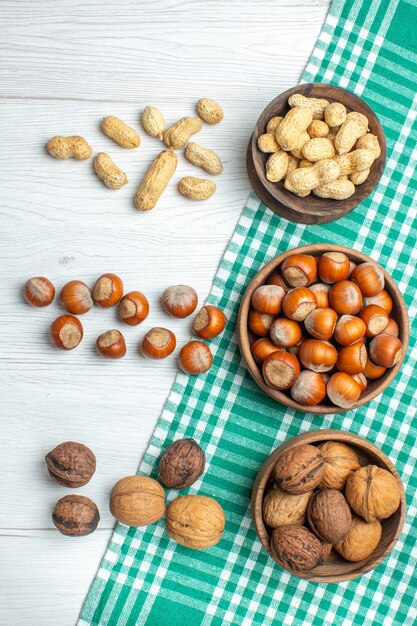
{"x":299,"y":469}
{"x":280,"y":508}
{"x":75,"y":516}
{"x":361,"y":541}
{"x":329,"y":515}
{"x":111,"y":344}
{"x":179,"y":300}
{"x":195,"y":357}
{"x":133,"y":308}
{"x":268,"y":299}
{"x":373,"y":493}
{"x":339,"y":462}
{"x":76,"y":297}
{"x":66,"y":332}
{"x":108,"y":290}
{"x":299,"y":270}
{"x":296,"y":548}
{"x":182,"y":464}
{"x":71,"y":464}
{"x":158,"y":343}
{"x":209,"y":322}
{"x":137,"y":501}
{"x":195,"y":521}
{"x":39,"y":291}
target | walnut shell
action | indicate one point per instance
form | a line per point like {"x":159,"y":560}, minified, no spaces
{"x":373,"y":493}
{"x":195,"y":521}
{"x":75,"y":516}
{"x":326,"y":549}
{"x":182,"y":464}
{"x":299,"y":470}
{"x":361,"y":541}
{"x":339,"y":462}
{"x":296,"y":548}
{"x":329,"y":515}
{"x":137,"y":501}
{"x":71,"y":464}
{"x":280,"y":508}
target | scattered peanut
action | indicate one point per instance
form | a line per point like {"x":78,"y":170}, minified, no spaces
{"x":277,"y":166}
{"x":318,"y":128}
{"x":204,"y":157}
{"x":355,"y":161}
{"x":369,"y":142}
{"x":178,"y":135}
{"x":317,"y":105}
{"x":296,"y":121}
{"x":339,"y":189}
{"x":273,"y":124}
{"x":308,"y":178}
{"x":357,"y":178}
{"x":120,"y":132}
{"x":267,"y":143}
{"x":335,"y":114}
{"x":317,"y":149}
{"x":153,"y":122}
{"x":348,"y":134}
{"x":74,"y":147}
{"x":210,"y":111}
{"x":156,"y":180}
{"x":196,"y":188}
{"x":111,"y":175}
{"x":303,"y":138}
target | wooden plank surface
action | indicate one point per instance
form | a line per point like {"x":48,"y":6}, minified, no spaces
{"x":64,"y":65}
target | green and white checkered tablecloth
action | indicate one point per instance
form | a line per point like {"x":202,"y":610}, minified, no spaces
{"x":369,"y":47}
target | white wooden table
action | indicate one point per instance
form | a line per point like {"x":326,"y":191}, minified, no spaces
{"x":64,"y":65}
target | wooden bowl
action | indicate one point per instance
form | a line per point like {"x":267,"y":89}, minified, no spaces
{"x":312,"y":209}
{"x":375,"y":387}
{"x":335,"y":569}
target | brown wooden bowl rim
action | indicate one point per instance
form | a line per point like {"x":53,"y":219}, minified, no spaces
{"x":401,"y":317}
{"x":278,"y":193}
{"x":317,"y":436}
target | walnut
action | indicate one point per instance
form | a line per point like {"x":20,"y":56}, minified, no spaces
{"x":361,"y":541}
{"x":329,"y":516}
{"x":326,"y":548}
{"x":182,"y":464}
{"x":76,"y":516}
{"x":373,"y":493}
{"x":282,"y":509}
{"x":296,"y":548}
{"x":299,"y":470}
{"x":195,"y":521}
{"x":71,"y":464}
{"x":339,"y":462}
{"x":137,"y":501}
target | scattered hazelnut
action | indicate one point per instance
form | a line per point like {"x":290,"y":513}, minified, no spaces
{"x":209,"y":322}
{"x":76,"y":298}
{"x":66,"y":332}
{"x":268,"y":299}
{"x":182,"y":464}
{"x":373,"y":493}
{"x":299,"y":270}
{"x":179,"y":300}
{"x":108,"y":290}
{"x":361,"y":541}
{"x":111,"y":344}
{"x":158,"y":343}
{"x":137,"y":501}
{"x":71,"y":464}
{"x":329,"y":515}
{"x":76,"y":516}
{"x":195,"y":357}
{"x":195,"y":521}
{"x":39,"y":291}
{"x":133,"y":308}
{"x":281,"y":369}
{"x":299,"y":469}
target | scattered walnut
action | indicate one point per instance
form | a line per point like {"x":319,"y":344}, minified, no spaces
{"x":195,"y":521}
{"x":361,"y":541}
{"x":299,"y":470}
{"x":71,"y":464}
{"x":182,"y":464}
{"x":75,"y":516}
{"x":282,"y":509}
{"x":137,"y":501}
{"x":373,"y":493}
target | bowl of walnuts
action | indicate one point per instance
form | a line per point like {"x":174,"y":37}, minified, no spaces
{"x":328,"y":506}
{"x":316,"y":152}
{"x":323,"y":328}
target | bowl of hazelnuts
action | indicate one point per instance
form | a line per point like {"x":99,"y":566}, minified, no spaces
{"x":323,"y":329}
{"x":328,"y":506}
{"x":316,"y":152}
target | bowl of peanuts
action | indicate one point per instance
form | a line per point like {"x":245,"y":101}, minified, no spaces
{"x":316,"y":152}
{"x":323,"y":329}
